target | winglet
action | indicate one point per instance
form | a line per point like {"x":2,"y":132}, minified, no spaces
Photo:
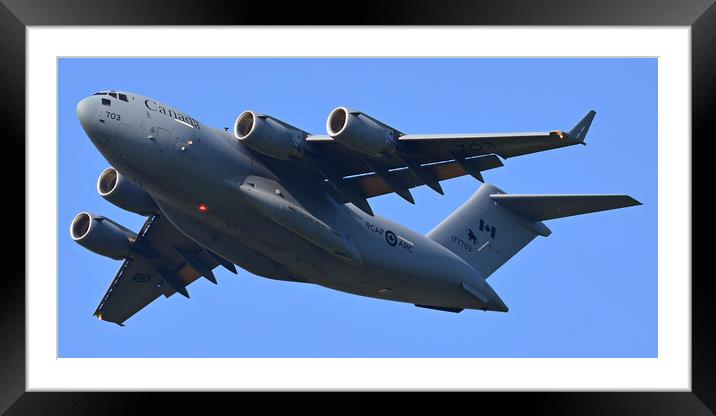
{"x":579,"y":132}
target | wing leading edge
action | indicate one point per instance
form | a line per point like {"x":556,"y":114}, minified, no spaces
{"x":505,"y":145}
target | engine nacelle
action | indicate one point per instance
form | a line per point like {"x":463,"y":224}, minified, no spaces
{"x":360,"y":132}
{"x":118,"y":190}
{"x":102,"y":235}
{"x":269,"y":135}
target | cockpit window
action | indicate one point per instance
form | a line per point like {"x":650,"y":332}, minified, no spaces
{"x":106,"y":101}
{"x":113,"y":94}
{"x":123,"y":97}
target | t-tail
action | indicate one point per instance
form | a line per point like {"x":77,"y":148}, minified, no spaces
{"x":493,"y":226}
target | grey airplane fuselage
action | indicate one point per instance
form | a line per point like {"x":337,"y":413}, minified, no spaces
{"x":199,"y":176}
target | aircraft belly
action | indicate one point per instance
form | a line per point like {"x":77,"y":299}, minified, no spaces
{"x":396,"y":263}
{"x":416,"y":291}
{"x":252,"y":242}
{"x":401,"y":265}
{"x":243,"y":255}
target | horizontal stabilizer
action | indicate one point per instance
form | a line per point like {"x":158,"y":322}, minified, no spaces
{"x":547,"y":207}
{"x":492,"y":226}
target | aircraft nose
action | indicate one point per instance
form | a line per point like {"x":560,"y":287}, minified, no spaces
{"x":86,"y":110}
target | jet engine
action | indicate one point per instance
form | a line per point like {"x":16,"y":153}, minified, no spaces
{"x":102,"y":235}
{"x":269,"y":135}
{"x":360,"y":132}
{"x":118,"y":190}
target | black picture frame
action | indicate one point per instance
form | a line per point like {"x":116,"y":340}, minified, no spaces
{"x":15,"y":15}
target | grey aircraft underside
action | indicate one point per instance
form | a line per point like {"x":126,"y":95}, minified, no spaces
{"x":285,"y":204}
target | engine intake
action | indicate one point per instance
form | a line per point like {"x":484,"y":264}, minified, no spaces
{"x":360,"y":132}
{"x":118,"y":190}
{"x":102,"y":235}
{"x":269,"y":135}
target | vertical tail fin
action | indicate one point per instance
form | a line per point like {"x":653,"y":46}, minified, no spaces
{"x":492,"y":226}
{"x":484,"y":233}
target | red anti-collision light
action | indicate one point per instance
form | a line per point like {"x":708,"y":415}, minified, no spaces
{"x":202,"y":207}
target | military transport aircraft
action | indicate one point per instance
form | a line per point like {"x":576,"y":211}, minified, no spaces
{"x":288,"y":205}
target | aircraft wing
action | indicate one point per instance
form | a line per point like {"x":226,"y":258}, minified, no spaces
{"x":505,"y":145}
{"x":427,"y":159}
{"x":165,"y":261}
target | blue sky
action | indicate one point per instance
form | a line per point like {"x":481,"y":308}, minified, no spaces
{"x":588,"y":290}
